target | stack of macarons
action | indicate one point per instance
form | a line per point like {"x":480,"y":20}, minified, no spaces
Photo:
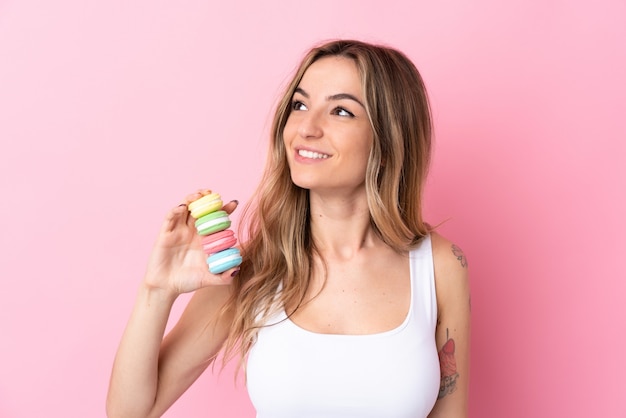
{"x":212,"y":224}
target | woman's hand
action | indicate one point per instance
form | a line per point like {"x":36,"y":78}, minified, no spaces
{"x":178,"y":263}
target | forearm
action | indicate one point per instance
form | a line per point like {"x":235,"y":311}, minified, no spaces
{"x":150,"y":372}
{"x":135,"y":375}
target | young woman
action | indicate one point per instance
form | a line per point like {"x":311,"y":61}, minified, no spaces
{"x":347,"y":303}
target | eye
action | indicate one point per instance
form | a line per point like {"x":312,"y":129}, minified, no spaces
{"x":297,"y":105}
{"x":340,"y":111}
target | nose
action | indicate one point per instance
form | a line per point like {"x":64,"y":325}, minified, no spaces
{"x":310,"y":126}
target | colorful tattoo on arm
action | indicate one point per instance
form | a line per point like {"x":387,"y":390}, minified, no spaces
{"x":447,"y":364}
{"x":458,"y":253}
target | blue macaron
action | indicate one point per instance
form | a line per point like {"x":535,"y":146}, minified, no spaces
{"x":224,"y":260}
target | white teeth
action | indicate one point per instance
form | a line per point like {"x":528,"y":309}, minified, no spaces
{"x":311,"y":154}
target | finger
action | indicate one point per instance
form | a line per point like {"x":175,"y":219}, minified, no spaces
{"x":230,"y":206}
{"x":225,"y":278}
{"x":192,"y":197}
{"x":228,"y":276}
{"x":175,"y":216}
{"x":191,"y":221}
{"x":196,"y":195}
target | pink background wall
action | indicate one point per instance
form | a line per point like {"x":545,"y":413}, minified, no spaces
{"x":111,"y":111}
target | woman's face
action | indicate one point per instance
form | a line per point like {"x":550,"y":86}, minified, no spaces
{"x":328,"y":136}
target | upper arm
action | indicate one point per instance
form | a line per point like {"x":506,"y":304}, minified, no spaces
{"x":453,"y":327}
{"x":192,"y":344}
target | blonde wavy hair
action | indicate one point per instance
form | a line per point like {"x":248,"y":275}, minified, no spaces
{"x":278,"y":250}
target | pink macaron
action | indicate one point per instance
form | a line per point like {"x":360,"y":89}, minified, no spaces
{"x":218,"y":241}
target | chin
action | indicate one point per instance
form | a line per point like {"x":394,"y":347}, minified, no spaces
{"x":302,"y":183}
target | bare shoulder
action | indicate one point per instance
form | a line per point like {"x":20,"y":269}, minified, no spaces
{"x":451,"y":268}
{"x":446,"y":252}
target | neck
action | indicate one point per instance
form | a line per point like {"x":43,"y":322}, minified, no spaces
{"x":340,"y":225}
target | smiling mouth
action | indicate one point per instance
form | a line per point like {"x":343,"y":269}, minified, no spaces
{"x":312,"y":155}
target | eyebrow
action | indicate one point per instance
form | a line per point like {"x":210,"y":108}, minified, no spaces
{"x":338,"y":96}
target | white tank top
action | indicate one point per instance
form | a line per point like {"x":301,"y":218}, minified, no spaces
{"x":295,"y":373}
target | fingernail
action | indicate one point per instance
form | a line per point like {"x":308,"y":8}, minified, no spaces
{"x":234,"y":273}
{"x":182,"y":204}
{"x":236,"y":201}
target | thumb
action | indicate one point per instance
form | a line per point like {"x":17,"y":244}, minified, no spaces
{"x":230,"y":206}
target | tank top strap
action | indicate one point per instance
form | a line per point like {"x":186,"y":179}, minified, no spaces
{"x":424,"y":295}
